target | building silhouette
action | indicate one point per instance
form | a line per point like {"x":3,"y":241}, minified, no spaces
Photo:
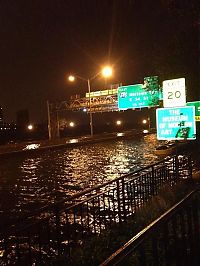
{"x":22,"y":118}
{"x":1,"y":115}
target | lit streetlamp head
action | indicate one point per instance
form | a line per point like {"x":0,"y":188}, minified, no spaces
{"x":71,"y":78}
{"x":107,"y":72}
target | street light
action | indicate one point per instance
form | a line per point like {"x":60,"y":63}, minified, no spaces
{"x":71,"y":124}
{"x":144,"y":121}
{"x":147,"y":121}
{"x":71,"y":78}
{"x":30,"y":127}
{"x":105,"y":72}
{"x":118,"y":122}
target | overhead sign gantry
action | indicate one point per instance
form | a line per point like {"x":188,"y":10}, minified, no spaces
{"x":144,"y":95}
{"x":94,"y":104}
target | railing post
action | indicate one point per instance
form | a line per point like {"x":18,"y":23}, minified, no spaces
{"x":58,"y":230}
{"x":155,"y":250}
{"x":29,"y":248}
{"x":6,"y":250}
{"x":18,"y":250}
{"x":94,"y":215}
{"x":39,"y":243}
{"x":166,"y":256}
{"x":195,"y":211}
{"x":118,"y":201}
{"x":142,"y":255}
{"x":176,"y":168}
{"x":190,"y":166}
{"x":123,"y":199}
{"x":153,"y":181}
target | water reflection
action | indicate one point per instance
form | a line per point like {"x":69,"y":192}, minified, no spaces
{"x":31,"y":182}
{"x":31,"y":146}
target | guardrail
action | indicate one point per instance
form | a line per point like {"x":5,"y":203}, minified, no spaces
{"x":172,"y":239}
{"x":57,"y":229}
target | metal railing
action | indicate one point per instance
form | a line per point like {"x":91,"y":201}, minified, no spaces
{"x":56,"y":230}
{"x":172,"y":239}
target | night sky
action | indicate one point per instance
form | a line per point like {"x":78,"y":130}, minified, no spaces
{"x":44,"y":40}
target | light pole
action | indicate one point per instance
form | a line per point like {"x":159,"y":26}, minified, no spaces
{"x":90,"y":113}
{"x":106,"y":72}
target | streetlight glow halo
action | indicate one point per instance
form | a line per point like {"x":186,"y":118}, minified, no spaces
{"x":107,"y":71}
{"x":71,"y":78}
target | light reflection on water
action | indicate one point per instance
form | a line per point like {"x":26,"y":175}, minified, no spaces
{"x":27,"y":183}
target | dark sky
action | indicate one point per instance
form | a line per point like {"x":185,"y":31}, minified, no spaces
{"x":44,"y":40}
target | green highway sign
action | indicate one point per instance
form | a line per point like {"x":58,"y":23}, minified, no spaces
{"x":176,"y":123}
{"x":197,"y":109}
{"x":137,"y":96}
{"x":151,"y":83}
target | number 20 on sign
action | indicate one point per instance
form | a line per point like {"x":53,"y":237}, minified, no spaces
{"x":174,"y":94}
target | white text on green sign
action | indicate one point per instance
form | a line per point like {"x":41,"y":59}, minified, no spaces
{"x":197,"y":109}
{"x":137,"y":96}
{"x":176,"y":123}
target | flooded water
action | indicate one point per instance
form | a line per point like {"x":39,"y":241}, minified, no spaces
{"x":32,"y":181}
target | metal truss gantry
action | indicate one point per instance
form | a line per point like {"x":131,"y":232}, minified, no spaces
{"x":98,"y":104}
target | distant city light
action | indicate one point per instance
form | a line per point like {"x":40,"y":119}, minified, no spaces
{"x":71,"y":124}
{"x":30,"y":127}
{"x":72,"y":141}
{"x":144,"y":121}
{"x":84,"y":109}
{"x":120,"y":134}
{"x":118,"y":122}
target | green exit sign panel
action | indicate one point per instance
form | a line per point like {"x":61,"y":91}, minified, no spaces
{"x":176,"y":123}
{"x":197,"y":109}
{"x":137,"y":96}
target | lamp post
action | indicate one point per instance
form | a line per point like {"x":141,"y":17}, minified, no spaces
{"x":90,"y":113}
{"x":106,"y":72}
